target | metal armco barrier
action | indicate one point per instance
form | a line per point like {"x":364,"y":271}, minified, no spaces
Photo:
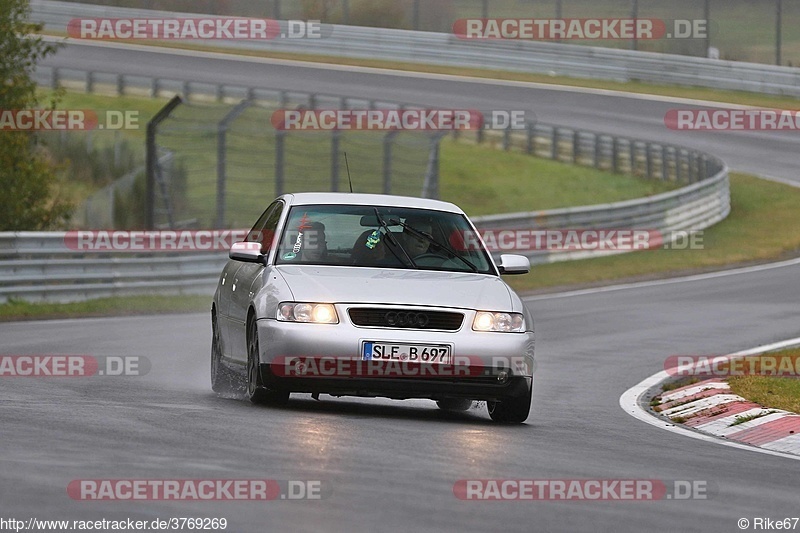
{"x":40,"y":267}
{"x":447,"y":49}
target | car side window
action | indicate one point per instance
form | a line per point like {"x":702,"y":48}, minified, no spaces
{"x":264,"y":230}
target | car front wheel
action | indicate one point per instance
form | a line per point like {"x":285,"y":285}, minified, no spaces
{"x":223,"y":381}
{"x":512,"y":410}
{"x":256,"y":391}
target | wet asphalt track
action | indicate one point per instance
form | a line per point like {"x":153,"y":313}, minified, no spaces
{"x":391,"y":466}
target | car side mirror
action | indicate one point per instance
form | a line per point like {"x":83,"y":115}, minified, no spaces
{"x":247,"y":252}
{"x":514,"y":264}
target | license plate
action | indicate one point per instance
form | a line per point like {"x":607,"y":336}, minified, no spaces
{"x":416,"y":353}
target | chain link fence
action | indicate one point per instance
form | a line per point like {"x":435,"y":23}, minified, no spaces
{"x":220,"y":164}
{"x":761,"y":31}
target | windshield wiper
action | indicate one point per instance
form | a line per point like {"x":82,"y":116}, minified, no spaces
{"x":393,"y":240}
{"x":433,"y":241}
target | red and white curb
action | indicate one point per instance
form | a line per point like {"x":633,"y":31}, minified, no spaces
{"x":709,"y":407}
{"x":709,"y":412}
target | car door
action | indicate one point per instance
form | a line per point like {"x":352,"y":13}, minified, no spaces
{"x":247,"y":280}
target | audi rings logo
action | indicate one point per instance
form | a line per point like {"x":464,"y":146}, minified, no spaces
{"x":406,"y":319}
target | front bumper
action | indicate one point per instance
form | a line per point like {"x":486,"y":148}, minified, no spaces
{"x":487,"y":366}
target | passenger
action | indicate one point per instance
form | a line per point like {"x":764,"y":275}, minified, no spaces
{"x":314,"y":247}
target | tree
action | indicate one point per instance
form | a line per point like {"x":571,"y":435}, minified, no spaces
{"x":28,"y":182}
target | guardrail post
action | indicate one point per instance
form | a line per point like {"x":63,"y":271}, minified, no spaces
{"x":276,"y":9}
{"x":554,"y":144}
{"x":335,"y":141}
{"x":430,"y":187}
{"x":415,"y":16}
{"x":596,"y":154}
{"x":89,"y":81}
{"x":345,"y":12}
{"x":280,"y":144}
{"x":614,"y":154}
{"x":692,"y":167}
{"x":54,"y":78}
{"x":187,"y":90}
{"x":220,"y":93}
{"x":576,"y":146}
{"x":507,"y":139}
{"x":530,"y":130}
{"x":664,"y":166}
{"x":632,"y":156}
{"x":120,"y":84}
{"x":678,"y":164}
{"x":154,"y":89}
{"x":649,"y":160}
{"x":388,"y":141}
{"x":152,"y":160}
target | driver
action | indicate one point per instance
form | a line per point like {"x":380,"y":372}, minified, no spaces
{"x":416,"y":246}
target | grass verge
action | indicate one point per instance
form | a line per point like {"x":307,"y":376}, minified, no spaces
{"x":117,"y":306}
{"x":771,"y":392}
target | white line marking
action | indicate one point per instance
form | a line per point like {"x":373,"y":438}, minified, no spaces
{"x":629,"y":402}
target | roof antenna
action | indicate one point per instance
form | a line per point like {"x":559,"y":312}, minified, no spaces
{"x":350,"y":181}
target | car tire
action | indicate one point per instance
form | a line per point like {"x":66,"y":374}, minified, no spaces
{"x":255,"y":390}
{"x":454,"y":404}
{"x":223,"y":380}
{"x":512,"y":410}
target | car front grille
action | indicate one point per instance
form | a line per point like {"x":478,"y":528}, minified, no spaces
{"x":405,"y":318}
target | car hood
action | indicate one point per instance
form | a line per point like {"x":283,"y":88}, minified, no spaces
{"x":396,"y":286}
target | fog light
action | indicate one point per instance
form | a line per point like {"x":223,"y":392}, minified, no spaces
{"x":502,"y":376}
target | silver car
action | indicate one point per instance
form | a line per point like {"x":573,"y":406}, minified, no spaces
{"x":372,"y":295}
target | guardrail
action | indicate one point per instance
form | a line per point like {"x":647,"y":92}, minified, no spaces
{"x":40,"y":267}
{"x":446,"y":49}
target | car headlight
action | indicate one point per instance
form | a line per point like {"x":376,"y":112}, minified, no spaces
{"x":307,"y":312}
{"x":505,"y":322}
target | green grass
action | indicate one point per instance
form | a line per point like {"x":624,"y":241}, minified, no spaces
{"x":771,"y":392}
{"x":764,"y":225}
{"x":132,"y":305}
{"x":483,"y":180}
{"x":742,"y":419}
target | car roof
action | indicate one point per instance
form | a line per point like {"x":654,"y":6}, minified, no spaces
{"x":384,"y":200}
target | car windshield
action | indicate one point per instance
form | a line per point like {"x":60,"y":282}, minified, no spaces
{"x":381,"y":237}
